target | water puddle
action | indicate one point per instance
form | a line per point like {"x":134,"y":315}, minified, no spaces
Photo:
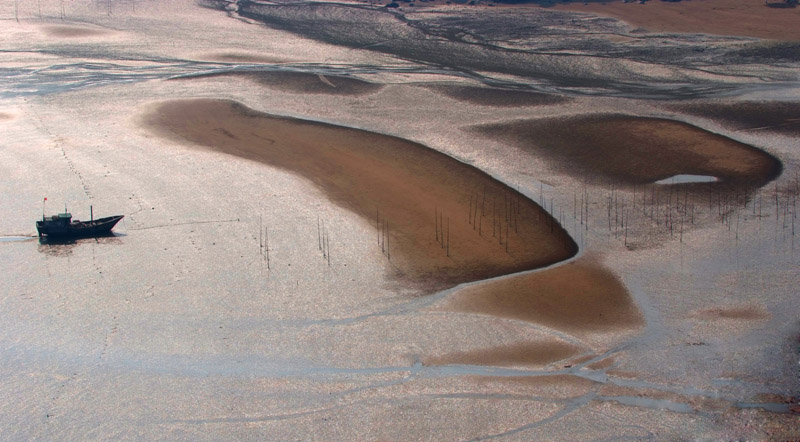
{"x":685,"y":179}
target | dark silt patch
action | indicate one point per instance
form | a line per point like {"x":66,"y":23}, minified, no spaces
{"x":526,"y":354}
{"x":485,"y":96}
{"x":750,"y":116}
{"x":627,"y":150}
{"x":578,"y":297}
{"x":746,"y":312}
{"x":241,"y":57}
{"x":302,"y":82}
{"x":64,"y":31}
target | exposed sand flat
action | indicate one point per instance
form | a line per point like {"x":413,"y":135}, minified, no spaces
{"x":549,"y":386}
{"x":633,"y":395}
{"x":751,"y":116}
{"x":534,"y":353}
{"x":5,"y":116}
{"x":303,"y":83}
{"x":485,"y":96}
{"x":629,"y":150}
{"x":578,"y":297}
{"x":397,"y":185}
{"x":71,"y":31}
{"x":751,"y":18}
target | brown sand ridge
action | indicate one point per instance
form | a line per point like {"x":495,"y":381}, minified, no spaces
{"x":535,"y":353}
{"x":630,"y":150}
{"x":751,"y":116}
{"x":403,"y":183}
{"x":577,"y":297}
{"x":301,"y":82}
{"x":749,"y":18}
{"x":5,"y":116}
{"x":486,"y":96}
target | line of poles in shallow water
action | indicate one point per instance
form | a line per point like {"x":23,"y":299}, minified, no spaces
{"x":672,"y":209}
{"x":631,"y":213}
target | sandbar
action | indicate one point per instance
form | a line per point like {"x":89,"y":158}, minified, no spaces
{"x":627,"y":150}
{"x":578,"y":297}
{"x":440,"y":221}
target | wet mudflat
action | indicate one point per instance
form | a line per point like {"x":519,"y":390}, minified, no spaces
{"x":252,"y":292}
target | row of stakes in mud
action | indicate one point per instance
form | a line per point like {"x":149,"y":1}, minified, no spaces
{"x":670,"y":210}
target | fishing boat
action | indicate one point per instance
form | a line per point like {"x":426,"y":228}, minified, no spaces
{"x":63,"y":226}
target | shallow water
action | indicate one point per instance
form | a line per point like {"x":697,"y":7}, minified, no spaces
{"x":685,"y":179}
{"x":15,"y":238}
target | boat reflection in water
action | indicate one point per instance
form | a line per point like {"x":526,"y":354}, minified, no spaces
{"x":60,"y":246}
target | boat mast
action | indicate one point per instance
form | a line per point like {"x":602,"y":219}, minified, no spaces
{"x":43,"y":203}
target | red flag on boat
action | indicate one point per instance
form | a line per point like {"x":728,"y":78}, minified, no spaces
{"x":45,"y":198}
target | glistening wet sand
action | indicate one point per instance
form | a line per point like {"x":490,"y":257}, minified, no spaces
{"x":425,"y":205}
{"x":578,"y":297}
{"x":628,"y":150}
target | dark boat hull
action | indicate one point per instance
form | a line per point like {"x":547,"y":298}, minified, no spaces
{"x":80,"y":229}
